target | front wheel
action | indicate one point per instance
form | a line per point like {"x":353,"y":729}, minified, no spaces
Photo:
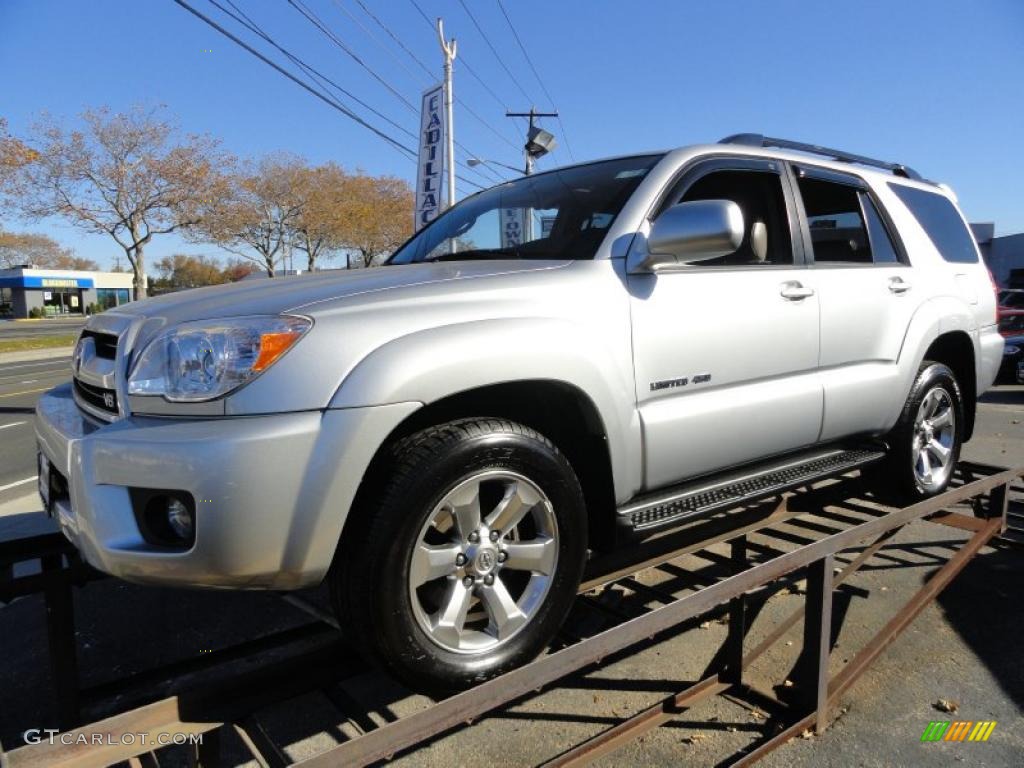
{"x":466,"y":563}
{"x":924,"y":446}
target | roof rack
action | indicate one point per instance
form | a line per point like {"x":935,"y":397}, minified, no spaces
{"x":757,"y":140}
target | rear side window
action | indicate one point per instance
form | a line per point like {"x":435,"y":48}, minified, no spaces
{"x":881,"y":244}
{"x":938,"y":217}
{"x":838,"y":232}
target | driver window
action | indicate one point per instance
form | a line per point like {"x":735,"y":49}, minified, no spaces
{"x":766,"y":236}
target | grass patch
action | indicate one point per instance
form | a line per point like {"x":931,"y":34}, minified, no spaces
{"x":38,"y":342}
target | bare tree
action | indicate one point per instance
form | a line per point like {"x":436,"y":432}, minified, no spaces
{"x":40,"y":251}
{"x":127,"y":175}
{"x":252,"y":217}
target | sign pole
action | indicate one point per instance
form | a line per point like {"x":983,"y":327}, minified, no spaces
{"x":448,"y":48}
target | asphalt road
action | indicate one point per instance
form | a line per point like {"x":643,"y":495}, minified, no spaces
{"x":20,"y":385}
{"x":11,"y":330}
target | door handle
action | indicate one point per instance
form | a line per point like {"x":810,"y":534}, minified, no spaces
{"x":898,"y":285}
{"x":795,"y":291}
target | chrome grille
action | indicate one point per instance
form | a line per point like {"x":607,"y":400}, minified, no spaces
{"x":95,"y":365}
{"x":97,"y":397}
{"x":106,"y":343}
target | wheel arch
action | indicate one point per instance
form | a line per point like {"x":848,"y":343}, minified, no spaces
{"x":559,"y":410}
{"x":955,"y":350}
{"x":943,"y":330}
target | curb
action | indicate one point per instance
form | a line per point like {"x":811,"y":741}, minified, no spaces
{"x":35,"y":354}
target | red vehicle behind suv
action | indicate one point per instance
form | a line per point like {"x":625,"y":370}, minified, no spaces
{"x":1011,"y":312}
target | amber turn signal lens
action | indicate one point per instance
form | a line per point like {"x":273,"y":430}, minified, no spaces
{"x":272,"y":346}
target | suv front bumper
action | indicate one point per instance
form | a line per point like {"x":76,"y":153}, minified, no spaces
{"x":271,"y":492}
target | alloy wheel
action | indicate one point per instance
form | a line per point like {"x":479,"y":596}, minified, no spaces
{"x":483,"y":562}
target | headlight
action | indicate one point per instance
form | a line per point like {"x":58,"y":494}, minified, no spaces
{"x":207,"y":359}
{"x":1010,"y":349}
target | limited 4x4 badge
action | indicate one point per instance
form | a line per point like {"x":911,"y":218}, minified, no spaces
{"x":700,"y":378}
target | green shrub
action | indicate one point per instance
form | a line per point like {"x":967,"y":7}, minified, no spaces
{"x":36,"y":313}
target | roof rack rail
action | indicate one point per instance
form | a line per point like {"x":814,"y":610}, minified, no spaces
{"x":757,"y":140}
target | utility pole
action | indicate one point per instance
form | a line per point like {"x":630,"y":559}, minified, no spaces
{"x":538,"y":142}
{"x":448,"y":48}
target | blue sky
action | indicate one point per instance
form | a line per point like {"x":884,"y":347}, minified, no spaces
{"x":937,"y":85}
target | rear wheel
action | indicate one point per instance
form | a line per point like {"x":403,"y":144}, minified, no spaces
{"x":924,"y":446}
{"x":467,"y":561}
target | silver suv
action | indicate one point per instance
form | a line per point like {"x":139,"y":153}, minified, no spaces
{"x":561,"y":364}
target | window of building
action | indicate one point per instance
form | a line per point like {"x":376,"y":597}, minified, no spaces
{"x":938,"y":217}
{"x":108,"y":298}
{"x":766,"y":238}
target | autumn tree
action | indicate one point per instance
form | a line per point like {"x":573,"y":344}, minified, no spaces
{"x":319,"y":226}
{"x":254,"y":212}
{"x":39,"y":250}
{"x":238,"y":269}
{"x":181,"y":270}
{"x":128,"y":175}
{"x":376,"y":217}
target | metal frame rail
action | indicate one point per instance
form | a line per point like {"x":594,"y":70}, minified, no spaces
{"x":754,"y":567}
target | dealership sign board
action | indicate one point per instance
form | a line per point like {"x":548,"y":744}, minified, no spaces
{"x":513,"y":227}
{"x":431,"y":173}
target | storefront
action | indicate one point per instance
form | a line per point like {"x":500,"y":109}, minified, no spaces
{"x":27,"y":292}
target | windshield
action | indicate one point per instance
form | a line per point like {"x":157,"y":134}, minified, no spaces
{"x":561,"y":214}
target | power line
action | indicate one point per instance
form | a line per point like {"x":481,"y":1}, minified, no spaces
{"x":432,"y":75}
{"x":310,"y":16}
{"x":252,"y":26}
{"x":494,"y":50}
{"x":247,"y":22}
{"x":397,"y":39}
{"x":315,"y":21}
{"x":465,"y":64}
{"x":326,"y":98}
{"x":536,"y":74}
{"x":322,"y":96}
{"x":379,"y":44}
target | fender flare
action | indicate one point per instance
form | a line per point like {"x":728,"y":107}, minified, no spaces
{"x":934,"y":318}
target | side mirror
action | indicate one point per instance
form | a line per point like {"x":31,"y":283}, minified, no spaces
{"x":691,"y":232}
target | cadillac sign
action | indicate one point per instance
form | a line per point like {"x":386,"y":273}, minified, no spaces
{"x":433,"y":139}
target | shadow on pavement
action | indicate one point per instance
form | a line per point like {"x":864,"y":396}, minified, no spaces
{"x":983,"y":605}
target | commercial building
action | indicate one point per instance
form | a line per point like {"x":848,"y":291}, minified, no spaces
{"x":1004,"y":255}
{"x":58,"y":292}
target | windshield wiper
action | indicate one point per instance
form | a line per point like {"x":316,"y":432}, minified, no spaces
{"x":477,"y":253}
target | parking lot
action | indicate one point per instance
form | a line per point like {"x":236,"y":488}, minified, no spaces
{"x":962,"y":648}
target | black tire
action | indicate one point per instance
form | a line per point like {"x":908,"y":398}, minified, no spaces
{"x":895,"y":479}
{"x":371,"y":573}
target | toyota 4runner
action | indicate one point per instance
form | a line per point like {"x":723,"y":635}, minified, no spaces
{"x":558,"y":365}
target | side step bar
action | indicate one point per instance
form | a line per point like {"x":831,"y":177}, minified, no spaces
{"x":681,"y":503}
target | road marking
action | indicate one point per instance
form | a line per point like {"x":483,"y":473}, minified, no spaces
{"x":16,"y":377}
{"x":29,"y":381}
{"x":49,"y":361}
{"x":20,"y":482}
{"x":25,"y":392}
{"x":14,"y":424}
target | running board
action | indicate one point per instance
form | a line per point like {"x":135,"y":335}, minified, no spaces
{"x":703,"y":497}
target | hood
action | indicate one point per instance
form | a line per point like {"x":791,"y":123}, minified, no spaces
{"x":308,"y":293}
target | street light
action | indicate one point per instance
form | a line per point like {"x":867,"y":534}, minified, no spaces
{"x":475,"y":161}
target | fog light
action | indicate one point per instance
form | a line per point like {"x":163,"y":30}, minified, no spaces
{"x":179,"y":518}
